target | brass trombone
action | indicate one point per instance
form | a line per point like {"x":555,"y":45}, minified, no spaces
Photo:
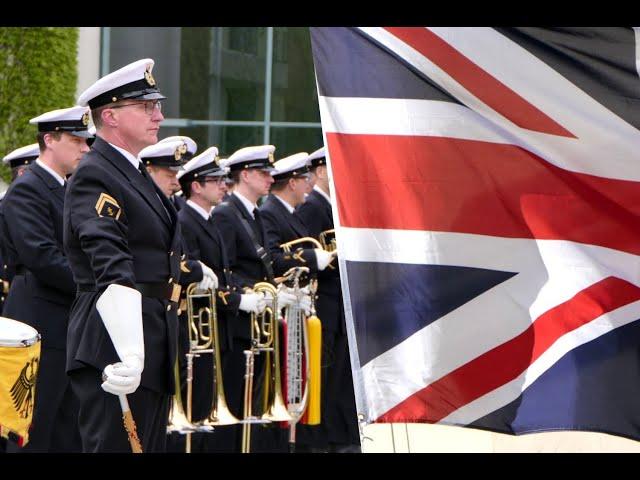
{"x":331,"y":245}
{"x":286,"y":247}
{"x":203,"y":339}
{"x":264,"y":338}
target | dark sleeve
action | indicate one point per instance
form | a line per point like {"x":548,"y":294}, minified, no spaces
{"x":102,"y":238}
{"x":229,"y":237}
{"x":299,"y":257}
{"x":310,"y":218}
{"x":190,"y":268}
{"x":30,"y":225}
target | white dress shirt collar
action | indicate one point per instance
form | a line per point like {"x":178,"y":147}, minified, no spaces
{"x":247,"y":204}
{"x":203,"y":213}
{"x":286,"y":204}
{"x":321,"y":192}
{"x":53,"y":173}
{"x":128,"y":155}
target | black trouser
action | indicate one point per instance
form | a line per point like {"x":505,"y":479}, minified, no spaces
{"x":54,"y":427}
{"x":341,"y":416}
{"x":100,"y":418}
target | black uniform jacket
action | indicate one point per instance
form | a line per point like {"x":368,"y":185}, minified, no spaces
{"x":244,"y":263}
{"x":316,"y":215}
{"x":203,"y":242}
{"x":282,"y":226}
{"x":120,"y":228}
{"x":43,"y":288}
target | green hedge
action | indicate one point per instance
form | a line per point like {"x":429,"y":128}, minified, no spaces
{"x":38,"y":73}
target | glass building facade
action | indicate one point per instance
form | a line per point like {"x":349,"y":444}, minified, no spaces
{"x":228,"y":86}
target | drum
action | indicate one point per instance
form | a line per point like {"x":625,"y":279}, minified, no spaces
{"x":19,"y":359}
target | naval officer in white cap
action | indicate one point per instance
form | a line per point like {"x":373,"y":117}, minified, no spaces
{"x":123,"y":242}
{"x":43,"y":288}
{"x":177,"y":198}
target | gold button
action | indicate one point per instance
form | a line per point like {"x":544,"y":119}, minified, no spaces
{"x":171,"y":253}
{"x":170,"y":280}
{"x":169,"y":308}
{"x":265,"y":278}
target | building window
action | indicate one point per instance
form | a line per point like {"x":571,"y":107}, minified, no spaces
{"x":228,"y":86}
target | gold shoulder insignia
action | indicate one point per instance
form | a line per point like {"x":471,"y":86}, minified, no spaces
{"x":183,"y":267}
{"x":107,"y":206}
{"x":22,"y":391}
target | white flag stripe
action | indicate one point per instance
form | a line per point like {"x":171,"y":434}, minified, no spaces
{"x":601,"y":134}
{"x":390,"y":116}
{"x":510,"y":391}
{"x":517,"y":255}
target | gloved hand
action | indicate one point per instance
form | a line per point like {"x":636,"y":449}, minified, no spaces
{"x":252,"y":302}
{"x":209,"y":279}
{"x":323,"y":258}
{"x":285,"y":297}
{"x":305,"y":304}
{"x":123,"y":377}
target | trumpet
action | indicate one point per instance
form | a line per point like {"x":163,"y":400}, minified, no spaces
{"x":331,"y":245}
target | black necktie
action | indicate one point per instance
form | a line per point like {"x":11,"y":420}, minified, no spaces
{"x":256,"y":215}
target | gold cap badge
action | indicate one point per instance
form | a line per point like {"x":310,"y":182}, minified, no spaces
{"x":149,"y":78}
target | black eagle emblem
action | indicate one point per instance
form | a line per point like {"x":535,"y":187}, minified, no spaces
{"x":22,"y":391}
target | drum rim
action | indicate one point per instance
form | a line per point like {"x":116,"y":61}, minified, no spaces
{"x":23,"y":342}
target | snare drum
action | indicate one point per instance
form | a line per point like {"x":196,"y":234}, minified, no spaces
{"x":19,"y":359}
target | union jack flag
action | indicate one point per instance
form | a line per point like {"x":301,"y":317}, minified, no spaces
{"x":487,"y":201}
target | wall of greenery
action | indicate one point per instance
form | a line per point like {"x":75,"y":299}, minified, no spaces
{"x":38,"y":73}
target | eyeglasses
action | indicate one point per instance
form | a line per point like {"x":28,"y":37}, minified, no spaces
{"x":218,"y":180}
{"x":149,"y":107}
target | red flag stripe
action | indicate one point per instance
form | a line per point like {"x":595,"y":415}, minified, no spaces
{"x":468,"y":186}
{"x":507,"y":361}
{"x":484,"y":86}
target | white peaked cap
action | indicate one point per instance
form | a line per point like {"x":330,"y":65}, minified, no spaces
{"x":317,"y":158}
{"x":295,"y":164}
{"x":204,"y":165}
{"x":164,"y":154}
{"x":73,"y":120}
{"x":192,"y":147}
{"x":134,"y":81}
{"x":260,"y":156}
{"x":22,"y":155}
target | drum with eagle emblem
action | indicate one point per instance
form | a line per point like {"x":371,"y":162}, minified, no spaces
{"x":19,"y":359}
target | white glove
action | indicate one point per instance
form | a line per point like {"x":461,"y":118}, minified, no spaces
{"x":122,"y":378}
{"x":209,"y":279}
{"x":323,"y":258}
{"x":305,"y":304}
{"x":252,"y":302}
{"x":120,"y":309}
{"x":285,"y":298}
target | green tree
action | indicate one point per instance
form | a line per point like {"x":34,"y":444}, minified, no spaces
{"x":38,"y":73}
